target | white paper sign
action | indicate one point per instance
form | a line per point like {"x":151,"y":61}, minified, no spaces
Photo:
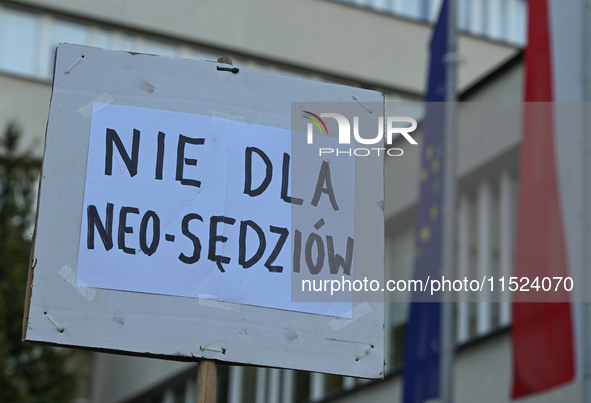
{"x":199,"y":206}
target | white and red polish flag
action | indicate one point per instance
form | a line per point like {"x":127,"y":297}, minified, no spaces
{"x":550,"y":231}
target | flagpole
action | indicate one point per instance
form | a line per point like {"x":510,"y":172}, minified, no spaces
{"x":449,"y":202}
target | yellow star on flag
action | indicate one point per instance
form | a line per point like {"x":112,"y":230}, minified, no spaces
{"x":425,"y":234}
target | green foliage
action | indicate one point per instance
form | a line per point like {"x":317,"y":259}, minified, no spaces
{"x":28,"y":373}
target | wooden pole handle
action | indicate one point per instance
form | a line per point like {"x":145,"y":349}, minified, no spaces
{"x":207,"y":369}
{"x":206,"y":381}
{"x":225,"y":60}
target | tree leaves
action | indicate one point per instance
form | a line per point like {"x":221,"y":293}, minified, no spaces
{"x":28,"y":373}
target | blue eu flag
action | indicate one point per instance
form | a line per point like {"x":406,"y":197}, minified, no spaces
{"x":422,"y":341}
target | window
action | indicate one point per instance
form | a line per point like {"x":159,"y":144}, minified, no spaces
{"x":18,"y":41}
{"x":502,"y":20}
{"x":158,"y":48}
{"x":100,"y":38}
{"x":485,"y":247}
